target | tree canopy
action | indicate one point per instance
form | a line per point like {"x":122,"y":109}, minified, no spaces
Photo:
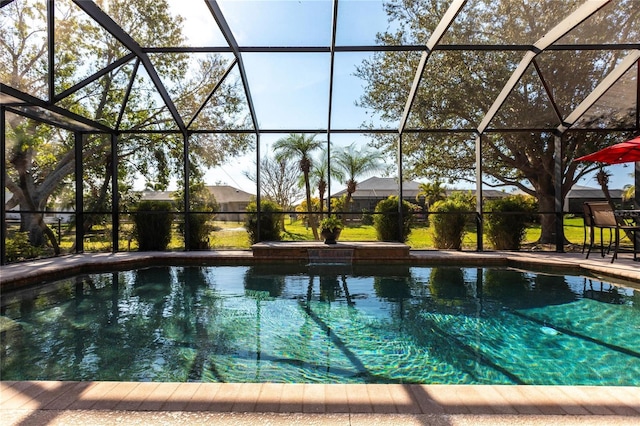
{"x":43,"y":157}
{"x":301,"y":147}
{"x":459,"y":86}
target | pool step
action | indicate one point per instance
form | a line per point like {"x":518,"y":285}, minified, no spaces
{"x":317,"y":251}
{"x":334,"y":256}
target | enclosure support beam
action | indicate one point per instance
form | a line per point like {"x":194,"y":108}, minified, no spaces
{"x":636,"y":174}
{"x":637,"y":98}
{"x":74,"y":122}
{"x":479,"y":218}
{"x":332,"y":51}
{"x":127,"y":94}
{"x":3,"y":212}
{"x":94,"y":77}
{"x":115,"y":195}
{"x":213,"y":91}
{"x":556,"y":33}
{"x":400,"y":177}
{"x":636,"y":203}
{"x":558,"y":177}
{"x":606,"y":83}
{"x":123,"y":37}
{"x":187,"y":190}
{"x":51,"y":49}
{"x":444,"y":24}
{"x":79,"y":172}
{"x":258,"y":186}
{"x":223,"y":25}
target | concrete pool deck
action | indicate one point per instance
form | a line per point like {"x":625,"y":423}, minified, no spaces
{"x":24,"y":273}
{"x":32,"y":403}
{"x":96,"y":403}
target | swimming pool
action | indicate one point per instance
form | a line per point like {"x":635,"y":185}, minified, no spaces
{"x":329,"y":324}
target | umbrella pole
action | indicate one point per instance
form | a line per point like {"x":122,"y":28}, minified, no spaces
{"x":636,"y":203}
{"x":636,"y":199}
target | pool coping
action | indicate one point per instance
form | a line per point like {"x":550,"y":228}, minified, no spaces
{"x":25,"y":402}
{"x":33,"y":272}
{"x":33,"y":402}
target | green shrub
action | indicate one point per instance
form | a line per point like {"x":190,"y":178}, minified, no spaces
{"x":449,"y":222}
{"x":447,"y":283}
{"x":339,"y":204}
{"x":386,"y":220}
{"x":468,"y":200}
{"x":506,"y":227}
{"x":200,"y":224}
{"x":152,"y":225}
{"x":271,"y":219}
{"x":18,"y":247}
{"x":199,"y":228}
{"x":367,"y":217}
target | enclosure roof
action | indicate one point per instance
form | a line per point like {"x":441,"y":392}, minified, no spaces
{"x":299,"y":65}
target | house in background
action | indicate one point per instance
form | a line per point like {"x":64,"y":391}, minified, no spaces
{"x":578,"y":195}
{"x":375,"y":189}
{"x":149,"y":195}
{"x":371,"y":191}
{"x":232,"y":202}
{"x":56,"y":212}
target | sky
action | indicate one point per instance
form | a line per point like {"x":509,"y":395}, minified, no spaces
{"x":292,"y":90}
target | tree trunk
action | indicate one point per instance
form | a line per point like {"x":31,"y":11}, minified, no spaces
{"x":30,"y":223}
{"x":546,"y":204}
{"x":33,"y":223}
{"x":322,"y":189}
{"x":603,"y":179}
{"x":312,"y":217}
{"x":347,"y":201}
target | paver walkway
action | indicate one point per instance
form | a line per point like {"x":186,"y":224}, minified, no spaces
{"x":107,"y":403}
{"x":32,"y":402}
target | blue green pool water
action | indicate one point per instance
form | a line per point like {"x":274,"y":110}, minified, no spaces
{"x":329,"y":324}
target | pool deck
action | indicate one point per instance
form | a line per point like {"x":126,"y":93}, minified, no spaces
{"x":79,"y":403}
{"x":24,"y":273}
{"x":97,"y":403}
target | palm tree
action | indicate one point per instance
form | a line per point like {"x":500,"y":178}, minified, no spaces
{"x":353,"y":163}
{"x":603,"y":179}
{"x":432,"y":192}
{"x":300,"y":146}
{"x":319,"y":176}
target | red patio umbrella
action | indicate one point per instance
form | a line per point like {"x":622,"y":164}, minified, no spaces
{"x":623,"y":152}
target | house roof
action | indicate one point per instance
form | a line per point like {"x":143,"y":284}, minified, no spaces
{"x":579,"y":191}
{"x":149,"y":195}
{"x":377,"y":188}
{"x":223,"y":194}
{"x":229,"y":194}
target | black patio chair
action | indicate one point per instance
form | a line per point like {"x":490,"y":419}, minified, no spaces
{"x":598,"y":214}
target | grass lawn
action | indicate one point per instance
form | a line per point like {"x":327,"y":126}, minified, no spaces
{"x":232,"y":235}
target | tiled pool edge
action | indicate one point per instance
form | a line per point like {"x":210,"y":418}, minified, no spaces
{"x":322,"y":399}
{"x":27,"y":273}
{"x":442,"y":401}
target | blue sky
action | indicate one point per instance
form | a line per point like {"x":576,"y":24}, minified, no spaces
{"x":292,"y":90}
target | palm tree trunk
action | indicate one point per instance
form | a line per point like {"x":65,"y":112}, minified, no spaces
{"x":312,"y":217}
{"x":321,"y":191}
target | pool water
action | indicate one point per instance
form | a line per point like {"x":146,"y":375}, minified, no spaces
{"x":329,"y":324}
